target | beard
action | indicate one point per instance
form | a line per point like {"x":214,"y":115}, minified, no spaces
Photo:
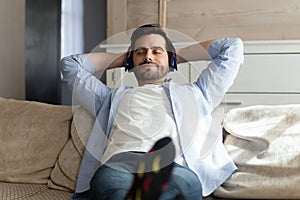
{"x":150,"y":72}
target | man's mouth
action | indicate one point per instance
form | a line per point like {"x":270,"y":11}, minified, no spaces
{"x":149,"y":64}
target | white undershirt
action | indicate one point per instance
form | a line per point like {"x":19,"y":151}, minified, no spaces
{"x":143,"y":117}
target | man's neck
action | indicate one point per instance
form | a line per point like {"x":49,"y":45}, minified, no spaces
{"x":157,"y":82}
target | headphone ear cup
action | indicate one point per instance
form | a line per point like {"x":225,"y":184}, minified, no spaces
{"x":128,"y":63}
{"x":173,"y":63}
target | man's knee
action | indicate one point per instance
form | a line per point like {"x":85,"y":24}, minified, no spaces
{"x":186,"y":180}
{"x":108,"y":182}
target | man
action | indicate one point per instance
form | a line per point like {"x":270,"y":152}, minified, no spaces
{"x":130,"y":120}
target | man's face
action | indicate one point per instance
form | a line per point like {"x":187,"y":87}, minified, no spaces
{"x":150,"y":59}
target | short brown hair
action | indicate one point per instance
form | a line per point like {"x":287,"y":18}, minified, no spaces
{"x":151,"y":29}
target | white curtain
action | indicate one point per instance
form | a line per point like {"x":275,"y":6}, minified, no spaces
{"x":72,"y":36}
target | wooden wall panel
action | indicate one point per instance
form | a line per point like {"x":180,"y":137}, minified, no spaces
{"x":116,"y":16}
{"x":250,"y":20}
{"x":141,"y":12}
{"x":206,"y":19}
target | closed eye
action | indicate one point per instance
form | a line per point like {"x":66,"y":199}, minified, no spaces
{"x":140,"y":51}
{"x":155,"y":50}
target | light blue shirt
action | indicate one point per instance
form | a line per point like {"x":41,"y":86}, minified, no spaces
{"x":192,"y":105}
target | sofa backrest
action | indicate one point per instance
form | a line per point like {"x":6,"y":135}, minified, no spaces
{"x":32,"y":135}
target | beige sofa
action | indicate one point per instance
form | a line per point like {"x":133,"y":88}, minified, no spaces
{"x":40,"y":149}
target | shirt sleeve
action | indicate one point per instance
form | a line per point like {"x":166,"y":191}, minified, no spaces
{"x":226,"y":57}
{"x":87,"y":90}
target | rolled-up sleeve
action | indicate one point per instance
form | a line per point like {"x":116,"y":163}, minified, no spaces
{"x":87,"y":90}
{"x":71,"y":65}
{"x":227,"y":55}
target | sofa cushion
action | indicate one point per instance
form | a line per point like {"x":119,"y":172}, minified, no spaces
{"x":32,"y":135}
{"x":64,"y":174}
{"x":11,"y":191}
{"x":264,"y":143}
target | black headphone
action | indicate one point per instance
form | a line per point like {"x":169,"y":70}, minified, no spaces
{"x":171,"y":54}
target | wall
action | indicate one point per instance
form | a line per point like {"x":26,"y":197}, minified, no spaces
{"x":94,"y":23}
{"x":33,"y":74}
{"x":269,"y":28}
{"x":206,"y":19}
{"x":43,"y":50}
{"x":250,"y":20}
{"x":12,"y":49}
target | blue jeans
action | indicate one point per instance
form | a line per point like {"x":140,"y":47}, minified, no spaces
{"x":111,"y":183}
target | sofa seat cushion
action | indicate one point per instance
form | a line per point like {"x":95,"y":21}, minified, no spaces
{"x":32,"y":135}
{"x":10,"y":191}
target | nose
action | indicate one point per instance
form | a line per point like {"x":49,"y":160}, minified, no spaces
{"x":148,"y":56}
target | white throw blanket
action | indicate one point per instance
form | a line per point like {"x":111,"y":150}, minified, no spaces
{"x":264,"y":142}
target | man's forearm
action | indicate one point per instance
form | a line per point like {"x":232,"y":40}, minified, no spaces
{"x":194,"y":52}
{"x":103,"y":61}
